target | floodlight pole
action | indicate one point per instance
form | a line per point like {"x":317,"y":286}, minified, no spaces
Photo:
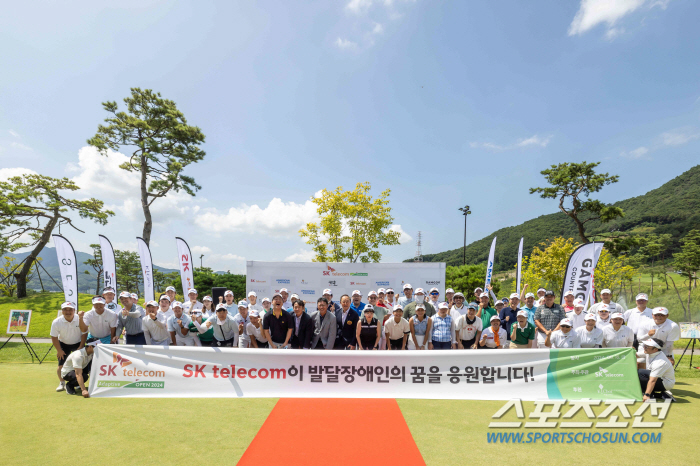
{"x":465,"y":211}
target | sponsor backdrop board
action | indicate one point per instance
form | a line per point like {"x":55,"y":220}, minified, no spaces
{"x":154,"y":371}
{"x":309,"y":279}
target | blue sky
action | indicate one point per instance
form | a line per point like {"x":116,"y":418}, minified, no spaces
{"x":446,"y":103}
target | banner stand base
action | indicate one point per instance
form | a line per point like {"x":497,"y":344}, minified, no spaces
{"x":690,"y":366}
{"x":32,"y":353}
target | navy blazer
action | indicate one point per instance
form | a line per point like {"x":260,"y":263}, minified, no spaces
{"x":306,"y":331}
{"x":347,"y":333}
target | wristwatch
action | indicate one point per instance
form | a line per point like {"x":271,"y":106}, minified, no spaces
{"x":648,"y":394}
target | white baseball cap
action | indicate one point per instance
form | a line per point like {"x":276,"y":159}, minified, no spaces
{"x":590,"y":317}
{"x":368,"y":308}
{"x":356,"y":292}
{"x":284,"y":290}
{"x":458,"y":295}
{"x":603,"y":307}
{"x":420,"y":291}
{"x":294,"y":295}
{"x":449,"y":290}
{"x":498,"y":301}
{"x":389,"y":290}
{"x":228,"y":293}
{"x":254,"y":313}
{"x":540,"y":289}
{"x":207,"y":298}
{"x":125,"y":294}
{"x":372,"y":293}
{"x":221,"y":306}
{"x":252,"y":293}
{"x":171,"y":288}
{"x":651,"y":342}
{"x":484,"y":295}
{"x":494,"y":318}
{"x":433,"y":289}
{"x":98,"y":300}
{"x":522,"y":313}
{"x":478,"y":288}
{"x":578,"y":302}
{"x":327,"y":291}
{"x":529,"y":295}
{"x":276,"y":295}
{"x":381,"y":290}
{"x":242,"y":303}
{"x":566,"y":321}
{"x":177,"y":304}
{"x":616,"y":315}
{"x":407,"y":286}
{"x":660,"y":310}
{"x":642,"y":296}
{"x":191,"y":290}
{"x":514,"y":295}
{"x":606,"y":291}
{"x":398,"y":307}
{"x":165,"y":296}
{"x":134,"y":296}
{"x":152,"y":303}
{"x":266,"y":300}
{"x":93,"y":343}
{"x":67,"y":305}
{"x":443,"y":305}
{"x":108,"y":289}
{"x":569,"y":293}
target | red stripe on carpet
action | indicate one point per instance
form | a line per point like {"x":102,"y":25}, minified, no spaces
{"x":323,"y":431}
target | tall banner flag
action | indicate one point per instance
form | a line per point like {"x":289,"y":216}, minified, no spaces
{"x":489,"y":264}
{"x":520,"y":265}
{"x":109,"y":264}
{"x":146,"y":269}
{"x":184,"y":258}
{"x":579,"y":271}
{"x":68,"y":266}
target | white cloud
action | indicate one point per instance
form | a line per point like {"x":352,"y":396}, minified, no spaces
{"x":19,"y":145}
{"x":13,"y":133}
{"x":345,"y":44}
{"x":197,"y":250}
{"x":277,"y":219}
{"x":591,"y":13}
{"x":378,"y":29}
{"x":533,"y":141}
{"x":679,"y":136}
{"x":637,"y":153}
{"x":405,"y":237}
{"x":359,"y":6}
{"x":301,"y":256}
{"x":7,"y":173}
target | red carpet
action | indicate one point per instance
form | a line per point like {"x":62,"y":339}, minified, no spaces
{"x":319,"y":431}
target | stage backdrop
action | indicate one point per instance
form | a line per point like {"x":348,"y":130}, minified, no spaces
{"x":154,"y":371}
{"x":309,"y":279}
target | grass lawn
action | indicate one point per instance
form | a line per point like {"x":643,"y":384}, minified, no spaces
{"x":44,"y":307}
{"x":217,"y":431}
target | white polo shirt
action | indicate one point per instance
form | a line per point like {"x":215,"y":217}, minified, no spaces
{"x":76,"y":360}
{"x":490,"y":337}
{"x":668,"y":332}
{"x":560,"y":340}
{"x":156,"y":330}
{"x":659,"y":366}
{"x":68,"y":333}
{"x":600,"y":323}
{"x":577,"y":320}
{"x":633,"y":318}
{"x":591,"y":339}
{"x":622,"y":338}
{"x":396,"y":330}
{"x":612,"y":307}
{"x":188,"y":307}
{"x":466,"y":330}
{"x":99,"y":325}
{"x":257,"y":331}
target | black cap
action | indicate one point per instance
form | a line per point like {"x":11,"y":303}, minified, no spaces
{"x":549,"y":293}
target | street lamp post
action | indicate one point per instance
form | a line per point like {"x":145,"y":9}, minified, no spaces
{"x":465,"y":211}
{"x":200,"y":261}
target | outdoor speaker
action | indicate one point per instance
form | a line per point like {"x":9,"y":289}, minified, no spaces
{"x":216,"y":292}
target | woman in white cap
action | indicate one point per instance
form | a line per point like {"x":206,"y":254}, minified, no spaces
{"x":662,"y":328}
{"x":577,"y":316}
{"x":565,"y":337}
{"x":231,"y":305}
{"x":242,"y":319}
{"x":368,"y":330}
{"x":617,"y":335}
{"x":493,"y":337}
{"x":568,"y":301}
{"x":266,"y":307}
{"x":171,"y":292}
{"x":207,"y":307}
{"x":659,"y":376}
{"x":421,"y":327}
{"x":603,"y":316}
{"x":254,"y":329}
{"x":468,"y":327}
{"x":589,"y":335}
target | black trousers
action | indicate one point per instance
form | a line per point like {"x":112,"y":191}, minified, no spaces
{"x":228,"y":342}
{"x":644,"y":376}
{"x":469,"y":343}
{"x":72,"y":380}
{"x":396,"y":344}
{"x":68,"y":349}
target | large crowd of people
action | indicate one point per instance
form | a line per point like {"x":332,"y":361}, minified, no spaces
{"x":411,"y":320}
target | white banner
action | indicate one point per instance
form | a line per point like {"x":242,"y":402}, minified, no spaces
{"x":520,"y":265}
{"x":68,"y":266}
{"x":184,"y":258}
{"x":109,"y":264}
{"x":146,"y":269}
{"x":579,"y":271}
{"x":489,"y":264}
{"x":309,"y":279}
{"x":179,"y":371}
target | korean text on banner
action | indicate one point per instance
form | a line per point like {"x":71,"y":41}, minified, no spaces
{"x":154,"y":371}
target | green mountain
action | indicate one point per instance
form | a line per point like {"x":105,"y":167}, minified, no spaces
{"x":672,"y":208}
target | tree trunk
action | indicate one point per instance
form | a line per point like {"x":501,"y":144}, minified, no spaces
{"x":579,"y":225}
{"x":29,"y":261}
{"x":97,"y":284}
{"x":148,"y":222}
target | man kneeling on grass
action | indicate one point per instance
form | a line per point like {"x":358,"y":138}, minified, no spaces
{"x":76,"y":369}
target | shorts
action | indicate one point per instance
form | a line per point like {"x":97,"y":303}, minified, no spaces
{"x":514,"y":345}
{"x":467,"y":344}
{"x":68,"y":349}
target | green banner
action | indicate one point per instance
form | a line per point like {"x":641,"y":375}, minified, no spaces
{"x":596,"y":373}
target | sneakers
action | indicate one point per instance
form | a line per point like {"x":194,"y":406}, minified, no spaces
{"x":667,"y":395}
{"x":61,"y":387}
{"x":70,"y":390}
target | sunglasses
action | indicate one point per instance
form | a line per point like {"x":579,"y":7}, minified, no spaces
{"x":566,"y":326}
{"x":435,"y":293}
{"x":391,"y":292}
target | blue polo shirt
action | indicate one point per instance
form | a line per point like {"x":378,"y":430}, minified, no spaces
{"x":530,"y":313}
{"x":358,"y":309}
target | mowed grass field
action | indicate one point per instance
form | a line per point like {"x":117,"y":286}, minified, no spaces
{"x":46,"y":427}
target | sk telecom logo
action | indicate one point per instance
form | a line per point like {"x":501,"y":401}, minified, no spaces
{"x":328,"y":272}
{"x":185,"y":262}
{"x":122,"y":361}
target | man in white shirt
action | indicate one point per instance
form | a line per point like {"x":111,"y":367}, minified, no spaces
{"x":577,"y":316}
{"x":662,"y":328}
{"x":397,"y":330}
{"x":76,"y":370}
{"x":170,"y":291}
{"x":565,"y":337}
{"x":225,"y":327}
{"x":634,"y":316}
{"x":192,"y":304}
{"x":407,"y":295}
{"x":458,"y":308}
{"x":178,"y":326}
{"x":617,"y":335}
{"x":165,"y":307}
{"x":101,"y":323}
{"x":659,"y":377}
{"x":155,"y":325}
{"x":242,"y":319}
{"x":67,"y":337}
{"x":254,"y":329}
{"x":110,"y":304}
{"x":253,"y":302}
{"x":286,"y":303}
{"x":605,"y":297}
